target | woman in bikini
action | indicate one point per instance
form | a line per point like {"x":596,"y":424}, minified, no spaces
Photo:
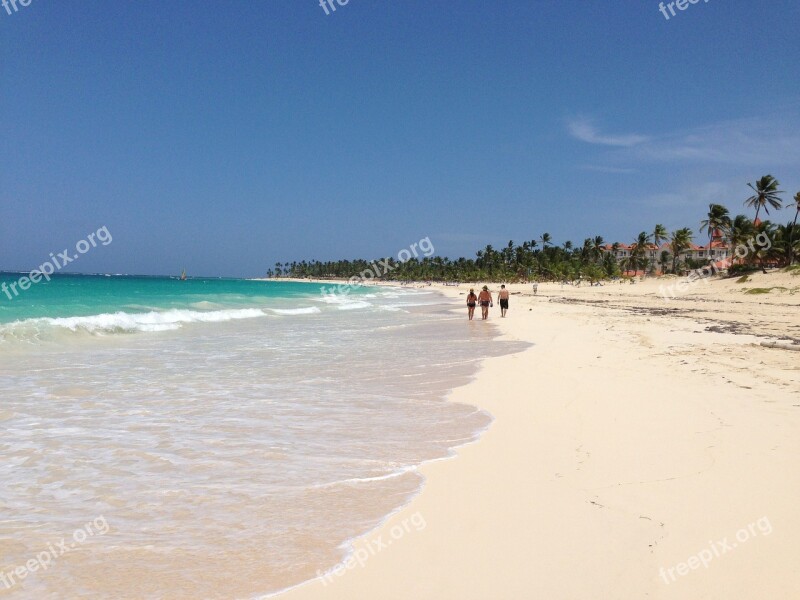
{"x":472,"y":300}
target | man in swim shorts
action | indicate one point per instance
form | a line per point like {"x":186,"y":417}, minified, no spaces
{"x":502,"y":298}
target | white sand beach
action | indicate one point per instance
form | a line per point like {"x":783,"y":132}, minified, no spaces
{"x":641,"y":448}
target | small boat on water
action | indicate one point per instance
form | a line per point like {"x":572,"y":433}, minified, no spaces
{"x":183,"y":275}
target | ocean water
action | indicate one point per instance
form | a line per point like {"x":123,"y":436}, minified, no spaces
{"x":215,"y":438}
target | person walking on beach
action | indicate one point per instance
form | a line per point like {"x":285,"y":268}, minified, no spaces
{"x":502,"y":299}
{"x":535,"y":287}
{"x":472,"y":300}
{"x":485,"y":298}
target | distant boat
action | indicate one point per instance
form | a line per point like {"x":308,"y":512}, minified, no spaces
{"x":183,"y":275}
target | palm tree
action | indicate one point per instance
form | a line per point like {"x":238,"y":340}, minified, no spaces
{"x":508,"y":253}
{"x":664,"y":259}
{"x":680,"y":241}
{"x":545,"y":239}
{"x":739,"y":231}
{"x":792,"y":255}
{"x":610,"y":265}
{"x":489,"y":257}
{"x":597,"y":248}
{"x":782,"y":244}
{"x":628,"y":264}
{"x":718,"y":219}
{"x":615,"y":250}
{"x":521,"y":255}
{"x":639,"y":251}
{"x":659,"y":235}
{"x":762,"y":253}
{"x":766,"y":195}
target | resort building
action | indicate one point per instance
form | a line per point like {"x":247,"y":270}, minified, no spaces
{"x":717,"y":251}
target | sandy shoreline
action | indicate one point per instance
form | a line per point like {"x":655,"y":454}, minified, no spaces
{"x":632,"y":443}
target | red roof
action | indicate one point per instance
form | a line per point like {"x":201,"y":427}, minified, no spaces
{"x":715,"y":244}
{"x":631,"y":246}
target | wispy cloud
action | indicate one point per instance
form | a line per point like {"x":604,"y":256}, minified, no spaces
{"x":696,"y":195}
{"x":680,"y":172}
{"x":584,"y":130}
{"x":754,"y":142}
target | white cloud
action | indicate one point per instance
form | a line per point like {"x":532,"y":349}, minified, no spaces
{"x":697,"y":195}
{"x":760,"y":143}
{"x":584,"y":130}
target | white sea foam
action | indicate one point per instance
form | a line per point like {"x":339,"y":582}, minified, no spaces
{"x":334,"y":299}
{"x":399,"y":472}
{"x":122,"y":322}
{"x":206,"y":305}
{"x":391,"y":308}
{"x":310,"y":310}
{"x":344,"y":301}
{"x":354,"y":305}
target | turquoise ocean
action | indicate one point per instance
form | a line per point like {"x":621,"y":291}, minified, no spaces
{"x":234,"y":435}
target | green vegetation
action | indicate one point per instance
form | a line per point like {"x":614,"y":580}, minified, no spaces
{"x":766,"y":195}
{"x":514,"y":262}
{"x":540,"y":259}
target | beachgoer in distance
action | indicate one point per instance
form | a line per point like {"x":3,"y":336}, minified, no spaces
{"x":472,"y":300}
{"x":485,"y":298}
{"x":502,"y":299}
{"x":535,"y":287}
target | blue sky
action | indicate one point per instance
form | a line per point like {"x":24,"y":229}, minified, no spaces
{"x":225,"y":136}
